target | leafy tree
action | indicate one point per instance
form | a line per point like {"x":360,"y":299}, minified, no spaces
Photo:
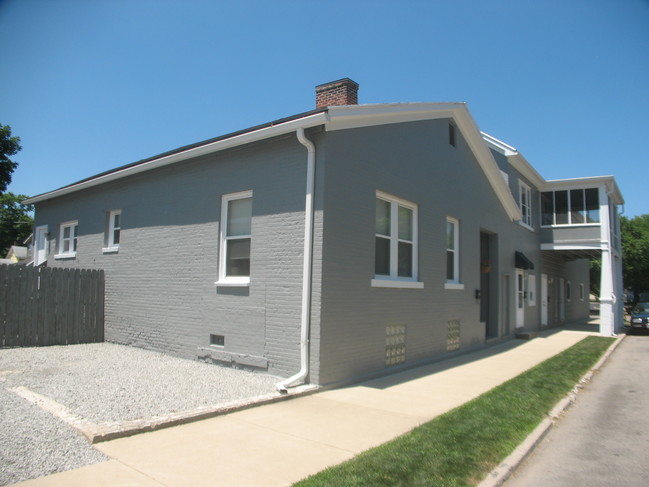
{"x":8,"y":147}
{"x":15,"y":221}
{"x":635,"y":253}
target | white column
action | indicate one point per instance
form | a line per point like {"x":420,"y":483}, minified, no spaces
{"x":607,"y":296}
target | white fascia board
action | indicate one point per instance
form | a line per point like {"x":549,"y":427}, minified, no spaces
{"x":498,"y":145}
{"x":515,"y":158}
{"x":474,"y":138}
{"x":355,"y":116}
{"x":591,"y":246}
{"x":593,"y":181}
{"x":241,"y":139}
{"x":588,"y":182}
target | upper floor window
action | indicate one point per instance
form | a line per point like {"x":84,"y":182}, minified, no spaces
{"x":113,"y":231}
{"x":451,"y":134}
{"x":68,"y":239}
{"x":395,"y":249}
{"x":570,"y":207}
{"x":525,"y":203}
{"x":236,"y":231}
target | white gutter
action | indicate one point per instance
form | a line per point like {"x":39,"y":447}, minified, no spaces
{"x":245,"y":138}
{"x":307,"y":269}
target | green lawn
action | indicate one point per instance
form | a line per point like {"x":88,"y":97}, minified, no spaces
{"x":462,"y":446}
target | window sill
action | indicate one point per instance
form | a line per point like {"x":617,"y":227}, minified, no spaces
{"x":233,"y":282}
{"x":72,"y":255}
{"x":110,"y":250}
{"x":388,"y":283}
{"x":568,"y":225}
{"x":454,"y":285}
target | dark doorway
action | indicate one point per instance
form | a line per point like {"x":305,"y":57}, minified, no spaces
{"x":488,"y":294}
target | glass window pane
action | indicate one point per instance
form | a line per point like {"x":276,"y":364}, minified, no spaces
{"x":450,"y":235}
{"x":577,"y":206}
{"x":450,"y":265}
{"x":116,"y":220}
{"x":405,"y":223}
{"x":382,"y":217}
{"x":547,"y":208}
{"x":405,"y":259}
{"x":382,"y":256}
{"x":239,"y":217}
{"x":238,"y":257}
{"x":116,"y":237}
{"x":66,"y":232}
{"x":561,"y":207}
{"x":592,"y":205}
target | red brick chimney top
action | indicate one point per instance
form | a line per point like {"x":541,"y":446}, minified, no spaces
{"x":341,"y":92}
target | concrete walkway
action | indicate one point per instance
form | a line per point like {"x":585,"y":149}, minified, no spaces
{"x":281,"y":443}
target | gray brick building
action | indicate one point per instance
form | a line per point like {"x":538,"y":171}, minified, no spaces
{"x":337,"y":243}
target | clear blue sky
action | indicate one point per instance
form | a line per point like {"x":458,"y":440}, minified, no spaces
{"x":90,"y":85}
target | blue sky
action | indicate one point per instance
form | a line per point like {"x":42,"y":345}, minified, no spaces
{"x":90,"y":85}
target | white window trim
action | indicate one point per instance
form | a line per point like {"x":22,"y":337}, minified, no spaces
{"x":229,"y":281}
{"x":456,"y":282}
{"x":393,"y":281}
{"x":524,"y":188}
{"x":41,"y":230}
{"x":71,"y":254}
{"x":554,"y":214}
{"x":112,"y":247}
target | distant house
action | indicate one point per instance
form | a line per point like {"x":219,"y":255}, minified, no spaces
{"x":337,"y":243}
{"x":16,"y":255}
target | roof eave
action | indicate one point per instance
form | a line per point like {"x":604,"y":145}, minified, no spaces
{"x":265,"y":132}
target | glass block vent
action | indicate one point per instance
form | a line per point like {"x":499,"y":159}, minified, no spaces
{"x":453,"y":335}
{"x":395,"y":345}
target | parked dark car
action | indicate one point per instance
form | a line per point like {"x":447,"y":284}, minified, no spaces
{"x":640,"y":317}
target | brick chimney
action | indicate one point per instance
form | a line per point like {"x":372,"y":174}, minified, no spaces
{"x":341,"y":92}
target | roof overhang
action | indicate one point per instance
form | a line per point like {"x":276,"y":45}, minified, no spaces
{"x":332,"y":118}
{"x":575,"y":183}
{"x":515,"y":158}
{"x":272,"y":130}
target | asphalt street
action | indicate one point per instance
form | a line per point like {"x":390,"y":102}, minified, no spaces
{"x":603,"y":440}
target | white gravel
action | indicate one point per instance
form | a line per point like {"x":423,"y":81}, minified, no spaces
{"x":101,"y":383}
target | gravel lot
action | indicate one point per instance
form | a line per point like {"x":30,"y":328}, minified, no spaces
{"x":101,"y":383}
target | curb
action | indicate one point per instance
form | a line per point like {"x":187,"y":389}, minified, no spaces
{"x":503,"y":471}
{"x":97,"y":433}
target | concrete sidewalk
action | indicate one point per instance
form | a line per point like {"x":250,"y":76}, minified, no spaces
{"x":281,"y":443}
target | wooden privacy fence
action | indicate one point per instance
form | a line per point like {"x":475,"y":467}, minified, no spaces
{"x":50,"y":306}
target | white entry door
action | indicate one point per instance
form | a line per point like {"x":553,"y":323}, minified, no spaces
{"x":40,"y":245}
{"x":544,"y":300}
{"x":520,"y":298}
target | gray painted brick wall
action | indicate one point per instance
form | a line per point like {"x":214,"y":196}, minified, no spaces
{"x":160,"y":286}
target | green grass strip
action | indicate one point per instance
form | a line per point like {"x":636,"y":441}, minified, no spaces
{"x":462,"y":446}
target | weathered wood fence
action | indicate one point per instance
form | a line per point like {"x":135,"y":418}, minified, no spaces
{"x":50,"y":306}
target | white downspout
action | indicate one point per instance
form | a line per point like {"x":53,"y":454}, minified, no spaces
{"x":306,"y":272}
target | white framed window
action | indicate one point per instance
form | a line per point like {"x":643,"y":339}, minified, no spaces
{"x":395,"y":242}
{"x":525,"y":203}
{"x":113,"y":231}
{"x":235,"y":239}
{"x":570,"y":207}
{"x":531,"y":290}
{"x":67,"y":240}
{"x":453,"y":254}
